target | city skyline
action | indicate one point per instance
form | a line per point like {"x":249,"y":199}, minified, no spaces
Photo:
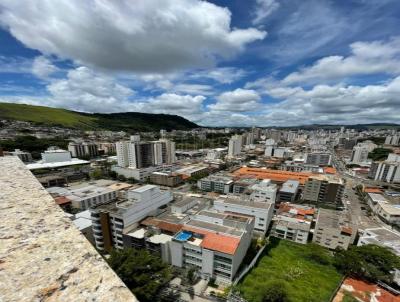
{"x":257,"y":63}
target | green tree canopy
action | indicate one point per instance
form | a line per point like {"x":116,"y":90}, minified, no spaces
{"x":144,"y":274}
{"x":275,"y":291}
{"x":379,"y":153}
{"x":371,"y":262}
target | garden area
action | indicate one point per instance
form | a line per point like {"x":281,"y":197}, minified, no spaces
{"x":291,"y":272}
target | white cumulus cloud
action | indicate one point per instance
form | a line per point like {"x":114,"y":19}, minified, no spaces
{"x":140,"y":35}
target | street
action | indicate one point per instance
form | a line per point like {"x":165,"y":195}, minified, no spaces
{"x":357,"y":210}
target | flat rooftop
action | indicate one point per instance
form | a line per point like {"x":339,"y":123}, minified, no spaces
{"x":297,"y":225}
{"x":72,"y":162}
{"x":290,"y":186}
{"x":43,"y":256}
{"x":220,"y":229}
{"x":245,"y":203}
{"x":334,"y":219}
{"x":218,"y":178}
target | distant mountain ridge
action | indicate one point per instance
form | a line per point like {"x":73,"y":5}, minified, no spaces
{"x":125,"y":121}
{"x":352,"y":126}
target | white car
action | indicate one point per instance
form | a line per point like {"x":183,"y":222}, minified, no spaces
{"x":348,"y":201}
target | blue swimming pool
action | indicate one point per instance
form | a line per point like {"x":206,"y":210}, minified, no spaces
{"x":183,"y":236}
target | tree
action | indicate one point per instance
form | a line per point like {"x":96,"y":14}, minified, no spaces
{"x":143,"y":273}
{"x":96,"y":174}
{"x":121,"y":178}
{"x":319,"y":254}
{"x":379,"y":153}
{"x":275,"y":291}
{"x":371,"y":262}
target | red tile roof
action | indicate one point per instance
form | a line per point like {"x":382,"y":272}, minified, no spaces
{"x":62,"y":200}
{"x":363,"y":291}
{"x":162,"y":225}
{"x":372,"y":190}
{"x":216,"y":242}
{"x":274,"y":175}
{"x":330,"y":170}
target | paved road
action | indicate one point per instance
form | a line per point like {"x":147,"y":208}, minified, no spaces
{"x":355,"y":208}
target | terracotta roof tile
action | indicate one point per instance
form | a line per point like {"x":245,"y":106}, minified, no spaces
{"x":274,"y":175}
{"x":216,"y":242}
{"x":62,"y":200}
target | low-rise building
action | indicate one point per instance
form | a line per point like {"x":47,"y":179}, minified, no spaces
{"x":265,"y":191}
{"x":85,"y":197}
{"x":54,"y":158}
{"x":243,"y":185}
{"x":334,"y":229}
{"x":291,"y":229}
{"x":387,"y":212}
{"x":182,"y":205}
{"x":213,"y":243}
{"x":293,"y":166}
{"x":141,"y":174}
{"x":382,"y":237}
{"x":288,"y":191}
{"x":216,"y":183}
{"x":293,"y":222}
{"x":191,"y":171}
{"x":261,"y":211}
{"x":26,"y":157}
{"x":168,"y":179}
{"x":53,"y":155}
{"x":276,"y":176}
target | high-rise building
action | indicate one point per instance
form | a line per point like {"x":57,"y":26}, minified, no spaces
{"x":235,"y":145}
{"x":393,"y":140}
{"x":83,"y":149}
{"x":388,"y":170}
{"x":139,"y":154}
{"x":319,"y":159}
{"x":324,"y":189}
{"x":110,"y":219}
{"x":360,"y":152}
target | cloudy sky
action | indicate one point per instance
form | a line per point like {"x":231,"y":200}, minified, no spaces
{"x":217,"y":63}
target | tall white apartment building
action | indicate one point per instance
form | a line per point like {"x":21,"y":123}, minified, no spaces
{"x":110,"y":220}
{"x":235,"y":145}
{"x":388,"y":170}
{"x":261,"y":211}
{"x":270,"y":145}
{"x":360,"y":152}
{"x":138,"y":154}
{"x":265,"y":191}
{"x":393,"y":140}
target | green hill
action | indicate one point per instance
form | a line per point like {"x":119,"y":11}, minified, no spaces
{"x":128,"y":121}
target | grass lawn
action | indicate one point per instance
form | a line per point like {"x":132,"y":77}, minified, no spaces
{"x":305,"y":269}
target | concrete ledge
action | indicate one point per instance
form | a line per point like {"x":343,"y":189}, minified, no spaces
{"x":43,"y":257}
